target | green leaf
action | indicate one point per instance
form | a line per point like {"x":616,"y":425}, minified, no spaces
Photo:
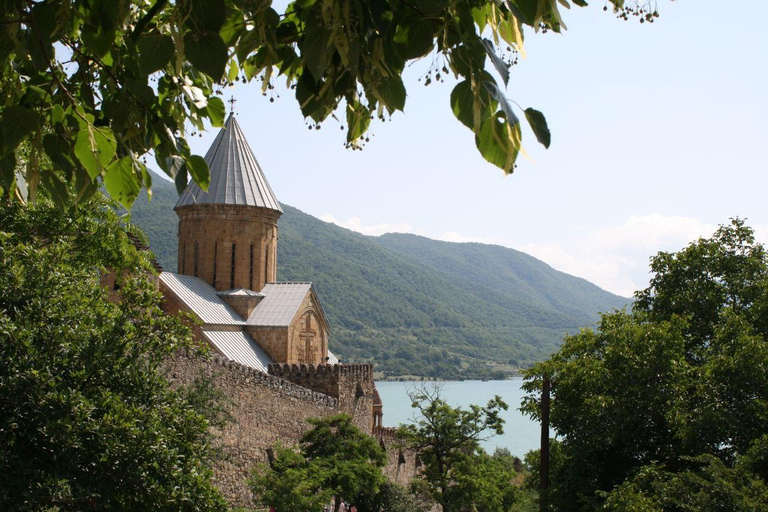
{"x":314,"y":50}
{"x":462,"y":103}
{"x":392,"y":93}
{"x":8,"y":171}
{"x":495,"y":144}
{"x":98,"y":39}
{"x":499,"y":96}
{"x":500,"y":65}
{"x":216,"y":111}
{"x":205,"y":14}
{"x":198,"y":168}
{"x":419,"y":38}
{"x":122,"y":183}
{"x":524,"y":10}
{"x":207,"y":52}
{"x":155,"y":51}
{"x":432,"y":8}
{"x":539,"y":126}
{"x":58,"y":148}
{"x":15,"y":124}
{"x":358,"y":120}
{"x":95,"y":148}
{"x":465,"y":104}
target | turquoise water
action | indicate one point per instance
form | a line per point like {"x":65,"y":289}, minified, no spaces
{"x":520,"y":433}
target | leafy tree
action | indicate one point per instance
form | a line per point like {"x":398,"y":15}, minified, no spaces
{"x":458,"y":473}
{"x":96,"y":85}
{"x":334,"y":459}
{"x":680,"y":379}
{"x":290,"y":482}
{"x":704,"y":483}
{"x":88,"y":420}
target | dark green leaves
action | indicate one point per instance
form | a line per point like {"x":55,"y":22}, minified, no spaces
{"x":539,"y":126}
{"x":206,"y":51}
{"x":314,"y":50}
{"x":15,"y":124}
{"x":155,"y":51}
{"x":391,"y":92}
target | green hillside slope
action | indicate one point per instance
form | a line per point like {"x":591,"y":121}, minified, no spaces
{"x":412,"y":305}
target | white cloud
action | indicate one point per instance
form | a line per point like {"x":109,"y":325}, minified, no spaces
{"x":356,"y":224}
{"x":614,"y":257}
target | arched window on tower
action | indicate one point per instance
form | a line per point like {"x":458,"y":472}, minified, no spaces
{"x":196,"y":254}
{"x":215,"y":260}
{"x":266,"y":264}
{"x":250,"y":270}
{"x":183,"y":269}
{"x":232,"y":268}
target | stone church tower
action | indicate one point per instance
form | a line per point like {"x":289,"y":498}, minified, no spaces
{"x":227,"y":266}
{"x":228,"y":235}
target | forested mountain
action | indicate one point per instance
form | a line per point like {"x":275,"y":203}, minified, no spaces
{"x":412,"y":305}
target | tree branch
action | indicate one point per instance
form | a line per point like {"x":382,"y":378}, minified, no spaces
{"x":141,"y":25}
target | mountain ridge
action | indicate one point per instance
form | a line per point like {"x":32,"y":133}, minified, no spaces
{"x":413,"y":305}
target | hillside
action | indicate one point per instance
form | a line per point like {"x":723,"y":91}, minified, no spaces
{"x":412,"y":305}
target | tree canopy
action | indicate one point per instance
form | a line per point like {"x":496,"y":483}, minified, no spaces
{"x":88,"y":419}
{"x":89,"y":89}
{"x":456,"y":471}
{"x":668,"y":404}
{"x":334,"y":459}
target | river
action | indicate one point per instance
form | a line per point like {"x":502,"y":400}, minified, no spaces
{"x":520,"y":433}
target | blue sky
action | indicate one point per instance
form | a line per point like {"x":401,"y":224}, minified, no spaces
{"x":658,"y":134}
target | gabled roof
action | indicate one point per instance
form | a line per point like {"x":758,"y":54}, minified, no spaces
{"x":236,"y":177}
{"x":239,"y":347}
{"x":280,"y":304}
{"x":202,"y":299}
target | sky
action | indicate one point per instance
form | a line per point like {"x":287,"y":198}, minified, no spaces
{"x":659,"y":134}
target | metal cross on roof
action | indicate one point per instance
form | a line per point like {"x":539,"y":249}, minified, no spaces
{"x":232,"y":102}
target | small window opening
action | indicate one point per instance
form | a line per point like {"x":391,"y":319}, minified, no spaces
{"x":232,"y":269}
{"x":250,"y":271}
{"x":196,"y":254}
{"x":215,"y":260}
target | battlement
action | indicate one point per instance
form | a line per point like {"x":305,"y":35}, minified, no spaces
{"x":273,"y":382}
{"x":329,"y":379}
{"x":363,"y":372}
{"x":386,"y":433}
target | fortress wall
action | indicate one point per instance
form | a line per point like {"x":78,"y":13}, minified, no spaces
{"x":270,"y":409}
{"x":351,"y":384}
{"x":265,"y":410}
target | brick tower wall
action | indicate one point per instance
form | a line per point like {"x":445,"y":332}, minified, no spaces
{"x":215,"y":228}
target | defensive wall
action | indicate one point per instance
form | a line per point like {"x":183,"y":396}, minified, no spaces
{"x":267,"y":409}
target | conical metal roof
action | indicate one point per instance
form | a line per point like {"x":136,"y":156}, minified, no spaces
{"x":236,"y":177}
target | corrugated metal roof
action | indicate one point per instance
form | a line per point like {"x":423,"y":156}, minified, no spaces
{"x":332,"y":359}
{"x":236,"y":177}
{"x":239,"y":347}
{"x":202,"y":299}
{"x":280,"y":304}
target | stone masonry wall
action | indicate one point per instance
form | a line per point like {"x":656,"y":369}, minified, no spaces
{"x":351,"y":384}
{"x":270,"y":409}
{"x":265,"y":410}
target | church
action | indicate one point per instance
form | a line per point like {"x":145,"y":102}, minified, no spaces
{"x":268,"y":339}
{"x":227,"y":266}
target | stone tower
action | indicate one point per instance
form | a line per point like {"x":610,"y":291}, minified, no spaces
{"x":228,"y":235}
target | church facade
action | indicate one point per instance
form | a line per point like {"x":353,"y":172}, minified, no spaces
{"x":269,"y":339}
